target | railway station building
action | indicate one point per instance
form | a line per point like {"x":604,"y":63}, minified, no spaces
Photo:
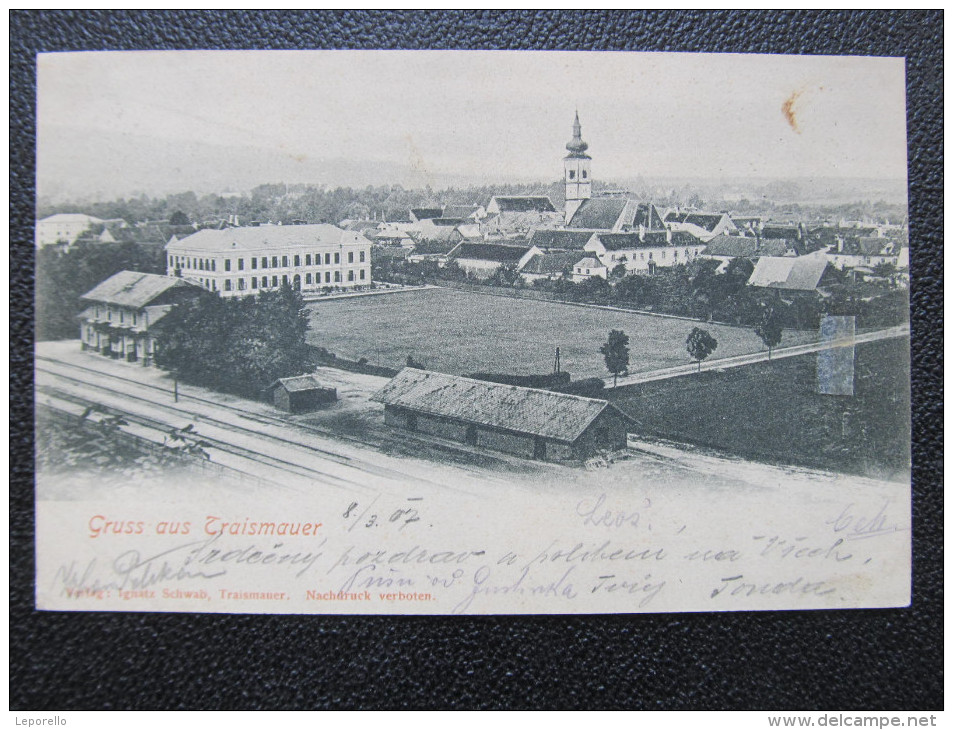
{"x":235,"y":262}
{"x":526,"y":422}
{"x":122,"y":312}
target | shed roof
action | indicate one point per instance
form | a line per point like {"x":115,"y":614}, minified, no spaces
{"x":460,"y":211}
{"x":802,"y":273}
{"x":551,"y":263}
{"x":299,"y":383}
{"x":133,"y":288}
{"x":626,"y":241}
{"x":551,"y":238}
{"x":542,"y":413}
{"x":255,"y":238}
{"x":524,"y":203}
{"x":489,"y":252}
{"x":422,"y":214}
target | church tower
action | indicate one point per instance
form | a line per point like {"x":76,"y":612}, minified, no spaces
{"x":578,"y":175}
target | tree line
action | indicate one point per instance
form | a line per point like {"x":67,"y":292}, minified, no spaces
{"x":236,"y":345}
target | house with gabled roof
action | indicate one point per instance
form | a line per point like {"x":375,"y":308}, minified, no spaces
{"x":509,"y":216}
{"x":643,"y":251}
{"x":541,"y":264}
{"x":122,"y":313}
{"x":481,"y":260}
{"x":703,"y":226}
{"x":526,"y":422}
{"x":793,"y":275}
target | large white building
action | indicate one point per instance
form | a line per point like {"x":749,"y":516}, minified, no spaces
{"x":63,"y":228}
{"x":244,"y":261}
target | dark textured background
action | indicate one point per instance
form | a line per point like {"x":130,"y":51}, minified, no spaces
{"x":778,"y":660}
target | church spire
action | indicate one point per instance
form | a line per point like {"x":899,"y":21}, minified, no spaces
{"x":576,"y":147}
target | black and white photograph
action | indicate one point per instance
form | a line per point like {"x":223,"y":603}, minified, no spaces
{"x":471,"y":332}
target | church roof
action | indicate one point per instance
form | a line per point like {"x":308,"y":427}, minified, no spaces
{"x":577,"y":148}
{"x":598,"y":213}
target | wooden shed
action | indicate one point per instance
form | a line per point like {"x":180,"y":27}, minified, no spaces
{"x":300,"y":394}
{"x":527,"y":422}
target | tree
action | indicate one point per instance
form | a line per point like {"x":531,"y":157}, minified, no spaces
{"x":619,"y":271}
{"x":769,"y":329}
{"x":700,"y":345}
{"x":236,"y":345}
{"x":616,"y":353}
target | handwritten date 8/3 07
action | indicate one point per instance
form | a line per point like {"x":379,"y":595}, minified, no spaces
{"x":366,"y":516}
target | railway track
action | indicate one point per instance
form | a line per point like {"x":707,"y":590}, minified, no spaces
{"x":349,"y":471}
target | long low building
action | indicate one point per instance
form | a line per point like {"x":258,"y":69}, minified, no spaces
{"x":243,"y":261}
{"x":526,"y":422}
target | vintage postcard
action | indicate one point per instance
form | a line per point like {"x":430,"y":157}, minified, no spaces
{"x":369,"y":332}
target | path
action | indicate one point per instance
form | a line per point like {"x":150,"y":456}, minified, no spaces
{"x":738,"y":360}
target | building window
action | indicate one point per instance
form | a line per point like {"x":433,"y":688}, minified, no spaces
{"x":350,"y":257}
{"x":228,"y":285}
{"x":284,"y":261}
{"x":327,"y":259}
{"x":362,"y":274}
{"x":307,"y":259}
{"x":254,"y":262}
{"x":274,"y":281}
{"x":284,"y":279}
{"x":584,"y":175}
{"x":135,"y":319}
{"x":241,"y":264}
{"x":350,"y":275}
{"x":201,"y":265}
{"x":241,"y":285}
{"x":121,"y":317}
{"x":254,"y":281}
{"x":337,"y":258}
{"x":327,"y":277}
{"x":361,"y":257}
{"x":109,"y":314}
{"x":171,"y":263}
{"x":213,"y":264}
{"x":297,"y":260}
{"x":337,"y":276}
{"x":274,"y":262}
{"x":228,"y":264}
{"x":572,"y":174}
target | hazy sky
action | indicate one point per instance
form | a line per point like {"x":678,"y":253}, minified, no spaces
{"x":495,"y":115}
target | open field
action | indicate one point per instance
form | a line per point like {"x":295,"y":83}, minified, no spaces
{"x":771,"y":411}
{"x":462,"y":332}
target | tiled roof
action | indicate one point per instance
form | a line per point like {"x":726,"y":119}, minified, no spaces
{"x":524,"y":203}
{"x":524,"y":410}
{"x":550,"y":263}
{"x":802,"y":273}
{"x":426,"y":213}
{"x":489,"y":252}
{"x":684,"y":238}
{"x":255,"y":238}
{"x":460,"y":211}
{"x":598,"y":213}
{"x":133,"y":288}
{"x":776,"y":231}
{"x":590,"y":263}
{"x":299,"y":383}
{"x":550,"y":238}
{"x":624,"y":241}
{"x":746,"y":246}
{"x":702,"y":220}
{"x":648,"y":216}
